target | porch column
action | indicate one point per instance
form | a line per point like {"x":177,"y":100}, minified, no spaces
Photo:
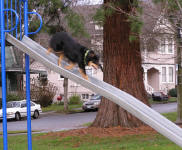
{"x":145,"y":77}
{"x":160,"y":80}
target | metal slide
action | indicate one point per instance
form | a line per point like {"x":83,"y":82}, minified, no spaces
{"x":126,"y":101}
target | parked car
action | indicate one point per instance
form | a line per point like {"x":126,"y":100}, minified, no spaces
{"x":18,"y":109}
{"x":159,"y":96}
{"x":93,"y":103}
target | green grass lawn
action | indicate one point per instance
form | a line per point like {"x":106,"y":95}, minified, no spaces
{"x":88,"y":142}
{"x":47,"y":141}
{"x":60,"y":108}
{"x":170,"y":100}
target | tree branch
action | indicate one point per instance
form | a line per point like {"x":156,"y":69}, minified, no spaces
{"x":180,"y":8}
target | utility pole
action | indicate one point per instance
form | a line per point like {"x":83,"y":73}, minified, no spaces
{"x":65,"y":85}
{"x":179,"y":76}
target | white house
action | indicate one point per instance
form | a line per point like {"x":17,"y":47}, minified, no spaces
{"x":158,"y":51}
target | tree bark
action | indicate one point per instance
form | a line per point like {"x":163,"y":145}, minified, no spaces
{"x":179,"y":77}
{"x":65,"y":85}
{"x":122,"y":68}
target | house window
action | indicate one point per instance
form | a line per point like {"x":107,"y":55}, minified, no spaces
{"x":170,"y":45}
{"x":170,"y":74}
{"x":85,"y":96}
{"x":60,"y":77}
{"x":167,"y":74}
{"x":163,"y":45}
{"x":164,"y":74}
{"x":166,"y":46}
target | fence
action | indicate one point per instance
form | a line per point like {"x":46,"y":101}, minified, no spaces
{"x":14,"y":19}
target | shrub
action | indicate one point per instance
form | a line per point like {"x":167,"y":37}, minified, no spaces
{"x":75,"y":99}
{"x":13,"y":97}
{"x":173,"y":92}
{"x":45,"y":100}
{"x":43,"y":94}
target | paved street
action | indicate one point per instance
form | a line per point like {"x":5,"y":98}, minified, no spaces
{"x":56,"y":121}
{"x":165,"y":108}
{"x":53,"y":122}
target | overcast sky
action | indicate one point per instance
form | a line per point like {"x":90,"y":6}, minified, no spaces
{"x":93,"y":2}
{"x":90,"y":2}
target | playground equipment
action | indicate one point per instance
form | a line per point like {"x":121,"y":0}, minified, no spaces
{"x":36,"y":51}
{"x":14,"y":19}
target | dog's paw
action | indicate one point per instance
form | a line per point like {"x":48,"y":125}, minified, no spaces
{"x":59,"y":64}
{"x":86,"y":77}
{"x":68,"y":67}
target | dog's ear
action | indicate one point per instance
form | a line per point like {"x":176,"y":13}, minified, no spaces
{"x":91,"y":54}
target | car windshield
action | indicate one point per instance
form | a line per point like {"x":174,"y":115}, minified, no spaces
{"x":157,"y":94}
{"x":13,"y":104}
{"x":95,"y":97}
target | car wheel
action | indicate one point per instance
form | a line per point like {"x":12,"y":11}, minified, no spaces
{"x":85,"y":110}
{"x":17,"y":116}
{"x":36,"y":114}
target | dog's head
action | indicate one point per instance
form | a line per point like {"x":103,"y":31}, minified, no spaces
{"x":92,"y":60}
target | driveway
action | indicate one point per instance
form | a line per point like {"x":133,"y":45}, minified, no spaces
{"x":56,"y":122}
{"x":165,"y":108}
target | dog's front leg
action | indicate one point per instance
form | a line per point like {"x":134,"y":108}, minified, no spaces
{"x":49,"y":50}
{"x":70,"y":66}
{"x":83,"y":74}
{"x":60,"y":59}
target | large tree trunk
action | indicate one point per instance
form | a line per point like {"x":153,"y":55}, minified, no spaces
{"x":122,"y":68}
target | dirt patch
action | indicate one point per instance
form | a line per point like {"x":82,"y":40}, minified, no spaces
{"x":102,"y":132}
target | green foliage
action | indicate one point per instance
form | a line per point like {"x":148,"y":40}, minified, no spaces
{"x":135,"y":26}
{"x":132,"y":38}
{"x":76,"y":24}
{"x":99,"y":16}
{"x":171,"y":4}
{"x":75,"y":99}
{"x":173,"y":92}
{"x":103,"y":12}
{"x":53,"y":22}
{"x":13,"y":97}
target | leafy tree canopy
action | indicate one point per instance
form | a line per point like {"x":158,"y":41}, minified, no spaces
{"x":58,"y":16}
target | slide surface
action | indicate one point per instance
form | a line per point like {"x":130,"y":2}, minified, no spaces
{"x":126,"y":101}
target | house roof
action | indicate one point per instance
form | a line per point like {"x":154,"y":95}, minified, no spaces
{"x":22,"y":71}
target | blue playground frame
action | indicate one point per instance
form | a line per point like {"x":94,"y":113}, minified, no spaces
{"x":14,"y":13}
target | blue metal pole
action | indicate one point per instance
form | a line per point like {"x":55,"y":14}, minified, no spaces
{"x":7,"y":6}
{"x":11,"y":16}
{"x":20,"y":20}
{"x":16,"y":31}
{"x":3,"y":74}
{"x":27,"y":79}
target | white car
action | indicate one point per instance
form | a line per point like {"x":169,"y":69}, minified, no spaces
{"x":93,"y":103}
{"x":18,"y":109}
